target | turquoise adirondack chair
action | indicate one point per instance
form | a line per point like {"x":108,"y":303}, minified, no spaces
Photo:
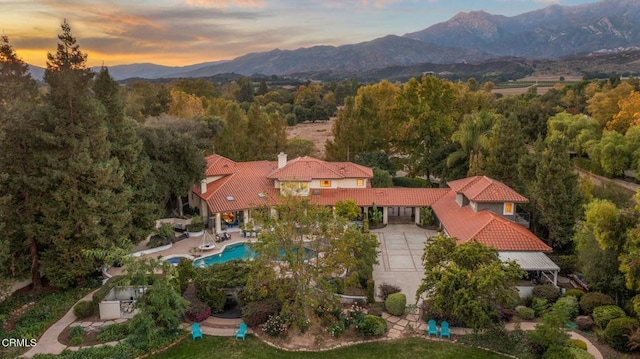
{"x":444,"y":330}
{"x":196,"y":332}
{"x":432,"y":328}
{"x":242,"y":331}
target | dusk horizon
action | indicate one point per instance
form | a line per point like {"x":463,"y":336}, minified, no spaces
{"x":186,"y":32}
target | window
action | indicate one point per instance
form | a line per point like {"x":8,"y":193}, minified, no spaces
{"x":360,"y":182}
{"x":508,"y":208}
{"x":325,"y":183}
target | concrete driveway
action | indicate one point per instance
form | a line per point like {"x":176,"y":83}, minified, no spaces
{"x":400,"y":259}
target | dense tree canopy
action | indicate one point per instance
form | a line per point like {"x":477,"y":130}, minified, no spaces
{"x":21,"y":186}
{"x":467,"y":281}
{"x":302,"y":280}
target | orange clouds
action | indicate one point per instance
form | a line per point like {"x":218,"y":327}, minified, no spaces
{"x":226,"y":3}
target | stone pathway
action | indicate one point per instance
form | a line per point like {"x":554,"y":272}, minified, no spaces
{"x":48,"y":342}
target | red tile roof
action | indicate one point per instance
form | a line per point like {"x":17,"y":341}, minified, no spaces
{"x":240,"y":189}
{"x":485,"y":189}
{"x":218,"y":165}
{"x":308,"y":168}
{"x":242,"y":182}
{"x":486,"y":227}
{"x":403,"y":197}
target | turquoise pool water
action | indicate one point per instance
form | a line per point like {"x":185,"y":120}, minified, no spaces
{"x":237,"y":251}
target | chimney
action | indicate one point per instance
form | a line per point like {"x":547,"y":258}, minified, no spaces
{"x":282,"y":159}
{"x":203,"y":186}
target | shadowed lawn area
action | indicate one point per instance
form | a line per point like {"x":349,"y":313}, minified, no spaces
{"x":408,"y":348}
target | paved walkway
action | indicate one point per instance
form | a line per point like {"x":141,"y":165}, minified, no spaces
{"x":48,"y":342}
{"x":400,"y":260}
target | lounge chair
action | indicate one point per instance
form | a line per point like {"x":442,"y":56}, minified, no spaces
{"x":242,"y":331}
{"x":195,"y":331}
{"x":432,"y":328}
{"x":444,"y":330}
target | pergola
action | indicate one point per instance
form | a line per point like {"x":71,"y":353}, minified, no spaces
{"x":534,"y":262}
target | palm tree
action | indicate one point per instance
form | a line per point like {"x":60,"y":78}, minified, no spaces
{"x":473,"y":136}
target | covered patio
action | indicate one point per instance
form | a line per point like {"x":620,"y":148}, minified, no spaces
{"x":537,"y":264}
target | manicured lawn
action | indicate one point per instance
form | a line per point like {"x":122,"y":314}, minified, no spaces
{"x":408,"y":348}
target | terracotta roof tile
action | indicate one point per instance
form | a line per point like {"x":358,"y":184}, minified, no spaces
{"x":308,"y":168}
{"x":484,"y":226}
{"x":485,"y":189}
{"x":240,"y":190}
{"x":405,"y":197}
{"x":218,"y":165}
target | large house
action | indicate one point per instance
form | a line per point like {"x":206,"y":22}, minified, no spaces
{"x":476,"y":208}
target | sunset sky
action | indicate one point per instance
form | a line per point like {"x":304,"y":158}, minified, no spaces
{"x":184,"y":32}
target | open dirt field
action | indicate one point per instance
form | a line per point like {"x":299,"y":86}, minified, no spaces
{"x":319,"y":133}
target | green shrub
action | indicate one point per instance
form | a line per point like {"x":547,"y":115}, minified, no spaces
{"x":256,"y":313}
{"x":83,"y":309}
{"x":549,"y":292}
{"x":580,"y":354}
{"x":75,"y":335}
{"x":592,"y":300}
{"x":539,"y":306}
{"x":386,"y":289}
{"x":396,"y":303}
{"x":618,"y":331}
{"x":186,"y":273}
{"x":113,"y":332}
{"x":569,"y":304}
{"x":427,"y":217}
{"x":577,"y":343}
{"x":557,"y":352}
{"x":604,"y":314}
{"x":574,"y":293}
{"x":584,"y":322}
{"x":196,"y":225}
{"x":372,"y":325}
{"x":525,"y":313}
{"x":164,"y":235}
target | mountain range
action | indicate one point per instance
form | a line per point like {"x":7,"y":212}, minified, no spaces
{"x":468,"y":37}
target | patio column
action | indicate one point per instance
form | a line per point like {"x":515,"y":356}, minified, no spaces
{"x":385,"y":215}
{"x":555,"y":278}
{"x":218,"y":223}
{"x":417,"y":215}
{"x":245,"y":216}
{"x":366,"y":213}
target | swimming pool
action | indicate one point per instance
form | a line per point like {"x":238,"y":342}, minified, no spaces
{"x":175,"y":259}
{"x":236,"y":251}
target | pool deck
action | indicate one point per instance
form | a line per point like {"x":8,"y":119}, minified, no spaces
{"x":186,"y":246}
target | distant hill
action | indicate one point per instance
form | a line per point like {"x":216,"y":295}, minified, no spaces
{"x":554,"y":31}
{"x":386,"y":51}
{"x":151,"y":71}
{"x":468,"y":40}
{"x":594,"y":65}
{"x":144,"y":70}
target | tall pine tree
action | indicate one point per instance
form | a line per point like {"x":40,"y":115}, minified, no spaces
{"x":86,"y":197}
{"x":555,"y":193}
{"x":127,"y":147}
{"x":21,"y":186}
{"x":506,"y":147}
